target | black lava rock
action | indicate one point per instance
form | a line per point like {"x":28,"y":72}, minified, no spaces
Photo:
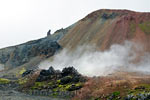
{"x":66,"y":79}
{"x":27,"y":72}
{"x":69,"y":71}
{"x":67,"y":75}
{"x":48,"y":72}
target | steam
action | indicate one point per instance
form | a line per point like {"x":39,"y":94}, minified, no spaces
{"x":88,"y":61}
{"x":143,"y":65}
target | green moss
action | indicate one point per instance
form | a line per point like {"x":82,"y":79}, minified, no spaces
{"x":22,"y":81}
{"x":56,"y":85}
{"x":58,"y":81}
{"x":114,"y":96}
{"x":145,"y":27}
{"x":60,"y":86}
{"x":147,"y":86}
{"x":143,"y":88}
{"x":39,"y":85}
{"x":68,"y":86}
{"x":55,"y":94}
{"x":116,"y":93}
{"x":79,"y":84}
{"x":72,"y":87}
{"x":4,"y":81}
{"x":20,"y":72}
{"x":55,"y":89}
{"x":69,"y":77}
{"x":50,"y":83}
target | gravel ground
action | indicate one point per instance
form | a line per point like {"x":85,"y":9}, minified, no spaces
{"x":13,"y":95}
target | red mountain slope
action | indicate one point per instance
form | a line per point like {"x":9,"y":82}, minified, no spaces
{"x":106,"y":27}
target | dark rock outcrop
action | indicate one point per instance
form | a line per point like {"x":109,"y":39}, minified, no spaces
{"x":49,"y":33}
{"x":48,"y":74}
{"x":69,"y":71}
{"x":109,"y":16}
{"x":67,"y":75}
{"x":28,"y":72}
{"x":21,"y":54}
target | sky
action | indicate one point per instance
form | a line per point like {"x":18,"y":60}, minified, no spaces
{"x":24,"y":20}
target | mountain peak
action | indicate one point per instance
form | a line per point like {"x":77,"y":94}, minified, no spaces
{"x":112,"y":13}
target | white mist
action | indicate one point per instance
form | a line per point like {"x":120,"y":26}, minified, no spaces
{"x":90,"y":62}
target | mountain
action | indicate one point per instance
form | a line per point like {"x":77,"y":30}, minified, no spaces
{"x":106,"y":27}
{"x":102,"y":28}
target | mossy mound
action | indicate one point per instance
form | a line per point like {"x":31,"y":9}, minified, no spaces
{"x":59,"y":82}
{"x":56,"y":85}
{"x":4,"y":81}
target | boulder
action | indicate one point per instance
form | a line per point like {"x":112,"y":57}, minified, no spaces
{"x":48,"y":72}
{"x":69,"y":71}
{"x":51,"y":70}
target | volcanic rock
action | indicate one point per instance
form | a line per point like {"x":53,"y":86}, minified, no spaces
{"x":67,"y":75}
{"x":18,"y":55}
{"x":27,"y":72}
{"x":69,"y":71}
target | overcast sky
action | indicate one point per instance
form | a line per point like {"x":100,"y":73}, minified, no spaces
{"x":24,"y":20}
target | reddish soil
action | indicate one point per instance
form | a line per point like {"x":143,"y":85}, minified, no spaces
{"x":103,"y":86}
{"x":106,"y":27}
